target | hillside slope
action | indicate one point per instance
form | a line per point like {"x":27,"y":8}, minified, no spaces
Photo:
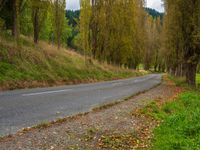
{"x":29,"y":66}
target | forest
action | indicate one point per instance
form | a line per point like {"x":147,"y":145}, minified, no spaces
{"x":118,"y":32}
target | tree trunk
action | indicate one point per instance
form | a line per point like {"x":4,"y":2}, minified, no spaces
{"x":155,"y":67}
{"x":15,"y":29}
{"x":191,"y":74}
{"x":36,"y":25}
{"x":146,"y":67}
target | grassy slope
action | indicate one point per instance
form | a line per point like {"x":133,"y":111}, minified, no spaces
{"x":44,"y":65}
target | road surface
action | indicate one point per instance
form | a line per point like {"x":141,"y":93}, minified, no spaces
{"x":25,"y":108}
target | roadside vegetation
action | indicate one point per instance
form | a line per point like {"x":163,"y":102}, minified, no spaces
{"x":44,"y":65}
{"x":178,"y":117}
{"x":180,"y":127}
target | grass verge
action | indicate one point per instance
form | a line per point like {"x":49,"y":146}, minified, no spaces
{"x":181,"y":126}
{"x":179,"y":120}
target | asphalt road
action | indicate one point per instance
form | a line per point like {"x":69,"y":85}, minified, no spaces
{"x":25,"y":108}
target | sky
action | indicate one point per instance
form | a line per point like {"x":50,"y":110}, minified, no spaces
{"x":155,"y":4}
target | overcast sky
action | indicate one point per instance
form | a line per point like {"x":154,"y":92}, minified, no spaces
{"x":156,"y":4}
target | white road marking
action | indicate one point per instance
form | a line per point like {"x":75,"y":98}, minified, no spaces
{"x":47,"y":92}
{"x":108,"y":97}
{"x":114,"y":84}
{"x":139,"y":80}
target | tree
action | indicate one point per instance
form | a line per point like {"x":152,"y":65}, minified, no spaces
{"x":85,"y":26}
{"x":58,"y":19}
{"x":115,"y":30}
{"x":39,"y":15}
{"x":153,"y":43}
{"x":15,"y":30}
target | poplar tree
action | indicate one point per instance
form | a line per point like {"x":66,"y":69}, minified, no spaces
{"x":85,"y":16}
{"x":58,"y":20}
{"x":39,"y":15}
{"x":116,"y":31}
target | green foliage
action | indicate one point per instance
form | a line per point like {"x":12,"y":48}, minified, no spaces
{"x":86,"y":12}
{"x":198,"y":78}
{"x":58,"y":17}
{"x":73,"y":17}
{"x":181,"y":127}
{"x":47,"y":29}
{"x":117,"y":39}
{"x":26,"y":26}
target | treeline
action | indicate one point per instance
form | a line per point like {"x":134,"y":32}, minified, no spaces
{"x":73,"y":17}
{"x":41,"y":19}
{"x":120,"y":32}
{"x":182,"y":38}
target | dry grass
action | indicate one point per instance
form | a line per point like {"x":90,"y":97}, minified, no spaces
{"x":29,"y":65}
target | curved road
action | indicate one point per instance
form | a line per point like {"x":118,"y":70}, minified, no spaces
{"x":24,"y":108}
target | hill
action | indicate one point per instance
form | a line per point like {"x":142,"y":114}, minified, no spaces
{"x":154,"y":13}
{"x":73,"y":16}
{"x":29,"y":66}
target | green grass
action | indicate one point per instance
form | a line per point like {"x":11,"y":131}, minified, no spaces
{"x":181,"y":127}
{"x":181,"y":81}
{"x":198,"y":78}
{"x":28,"y":65}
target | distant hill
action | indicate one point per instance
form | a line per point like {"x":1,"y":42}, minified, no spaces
{"x":154,"y":13}
{"x":73,"y":16}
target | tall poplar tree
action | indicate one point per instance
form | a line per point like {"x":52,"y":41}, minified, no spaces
{"x":85,"y":16}
{"x":58,"y":20}
{"x":39,"y":15}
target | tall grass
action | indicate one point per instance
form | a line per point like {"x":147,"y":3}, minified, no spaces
{"x":30,"y":65}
